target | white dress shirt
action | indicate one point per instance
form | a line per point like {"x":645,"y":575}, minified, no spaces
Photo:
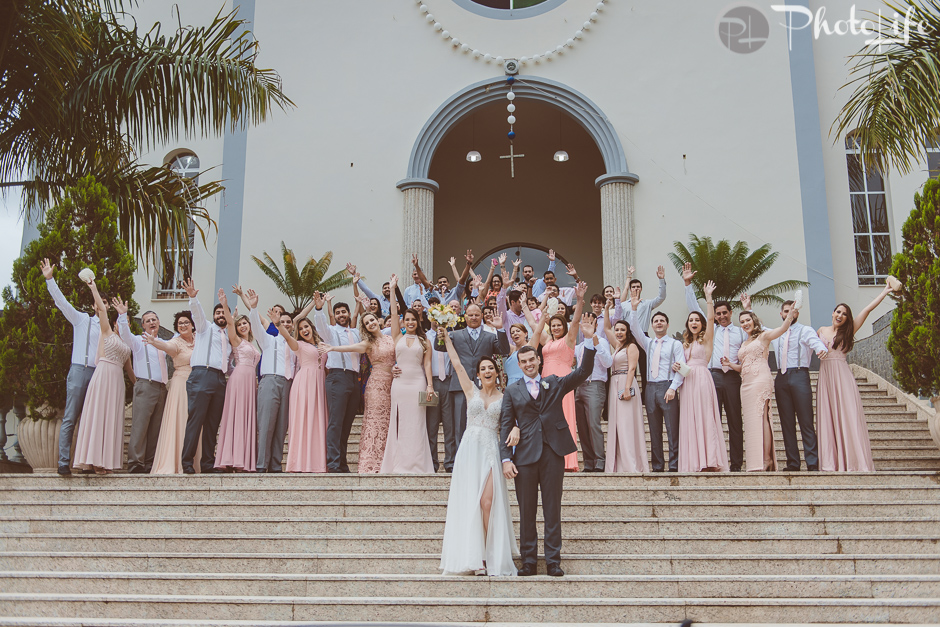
{"x":276,"y":356}
{"x":669,"y":353}
{"x":415,"y":292}
{"x":539,"y":286}
{"x":86,"y":330}
{"x":337,"y":336}
{"x":440,"y":360}
{"x":735,"y":335}
{"x":602,"y":360}
{"x":212,"y":348}
{"x":149,"y":361}
{"x":802,"y":342}
{"x":644,"y":311}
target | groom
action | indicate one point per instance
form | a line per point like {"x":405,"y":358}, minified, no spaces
{"x":534,"y":405}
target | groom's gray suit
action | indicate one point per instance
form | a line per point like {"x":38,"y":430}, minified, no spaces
{"x":544,"y":440}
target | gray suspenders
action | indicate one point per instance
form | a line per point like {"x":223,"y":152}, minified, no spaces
{"x":87,"y":340}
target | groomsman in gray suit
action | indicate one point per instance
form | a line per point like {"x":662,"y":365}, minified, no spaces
{"x":471,"y":344}
{"x":150,"y":369}
{"x":277,"y":374}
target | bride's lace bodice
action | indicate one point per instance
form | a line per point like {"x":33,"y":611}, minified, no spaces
{"x":478,"y":415}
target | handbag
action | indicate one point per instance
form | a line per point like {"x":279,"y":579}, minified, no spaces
{"x":424,"y":402}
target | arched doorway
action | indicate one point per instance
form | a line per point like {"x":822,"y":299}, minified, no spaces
{"x":615,"y":182}
{"x":548,"y":203}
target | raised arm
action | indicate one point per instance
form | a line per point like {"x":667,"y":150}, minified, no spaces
{"x":170,"y":348}
{"x":233,"y":338}
{"x":393,"y":310}
{"x":289,"y":338}
{"x":317,"y":298}
{"x":864,"y":313}
{"x":770,"y":335}
{"x":257,"y":325}
{"x":124,"y":329}
{"x":572,"y":337}
{"x":102,"y":310}
{"x":608,"y":330}
{"x":516,"y":263}
{"x":661,"y":297}
{"x":465,"y":383}
{"x":195,"y":307}
{"x":709,"y":290}
{"x":641,"y":338}
{"x":488,"y":283}
{"x":71,"y":314}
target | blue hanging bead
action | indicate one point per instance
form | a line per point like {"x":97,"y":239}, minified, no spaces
{"x":511,"y":134}
{"x":510,"y":79}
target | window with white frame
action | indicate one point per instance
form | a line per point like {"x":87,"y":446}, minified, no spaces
{"x":869,"y":218}
{"x":172,"y":272}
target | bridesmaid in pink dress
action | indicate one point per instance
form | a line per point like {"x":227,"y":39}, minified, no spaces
{"x":307,"y":416}
{"x":166,"y":460}
{"x":237,"y":443}
{"x":557,"y":359}
{"x":701,"y":438}
{"x":380,"y":349}
{"x":100,"y":443}
{"x":406,"y":450}
{"x":757,"y":388}
{"x":626,"y":435}
{"x":840,"y":418}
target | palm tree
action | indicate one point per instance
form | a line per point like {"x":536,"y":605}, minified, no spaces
{"x":81,"y":88}
{"x":300,"y":284}
{"x":734,"y":269}
{"x":894,"y":111}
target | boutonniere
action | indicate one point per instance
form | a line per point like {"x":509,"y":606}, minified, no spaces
{"x":544,"y":385}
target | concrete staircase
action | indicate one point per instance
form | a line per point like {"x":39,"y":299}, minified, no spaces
{"x":759,"y":547}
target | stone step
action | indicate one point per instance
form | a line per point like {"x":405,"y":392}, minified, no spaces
{"x":407,"y":563}
{"x":356,"y":494}
{"x":431,"y":544}
{"x":571,"y":586}
{"x":430,"y":609}
{"x":575,"y":523}
{"x":390,"y":510}
{"x":750,"y":479}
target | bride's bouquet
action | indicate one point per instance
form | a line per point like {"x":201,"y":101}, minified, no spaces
{"x":444,"y":316}
{"x":552,"y":307}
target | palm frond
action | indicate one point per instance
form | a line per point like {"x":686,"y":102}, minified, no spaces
{"x":894,"y":110}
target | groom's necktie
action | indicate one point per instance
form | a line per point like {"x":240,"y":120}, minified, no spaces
{"x":533,"y":388}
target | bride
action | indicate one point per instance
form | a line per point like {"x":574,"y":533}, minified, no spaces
{"x":478,"y":533}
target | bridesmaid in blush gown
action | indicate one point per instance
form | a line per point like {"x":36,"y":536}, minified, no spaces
{"x":166,"y":460}
{"x":100,"y":443}
{"x":307,"y":414}
{"x":406,"y":449}
{"x":701,"y":438}
{"x":840,"y":418}
{"x":380,"y":349}
{"x":626,"y":435}
{"x":558,"y":358}
{"x":757,"y":388}
{"x":237,"y":444}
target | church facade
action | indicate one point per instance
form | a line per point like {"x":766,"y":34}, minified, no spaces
{"x":606,"y":131}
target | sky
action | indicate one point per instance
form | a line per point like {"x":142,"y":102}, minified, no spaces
{"x":11,"y":234}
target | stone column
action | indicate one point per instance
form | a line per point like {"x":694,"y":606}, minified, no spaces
{"x":618,"y":225}
{"x":417,"y":226}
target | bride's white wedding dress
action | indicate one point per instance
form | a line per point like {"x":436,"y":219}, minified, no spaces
{"x":478,"y":456}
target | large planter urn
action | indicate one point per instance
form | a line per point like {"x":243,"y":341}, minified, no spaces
{"x":39,"y":440}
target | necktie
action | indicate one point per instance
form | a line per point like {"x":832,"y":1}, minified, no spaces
{"x":440,"y":365}
{"x":726,"y":351}
{"x":533,"y":388}
{"x":350,"y":339}
{"x":784,"y":352}
{"x":654,"y":363}
{"x":475,"y":334}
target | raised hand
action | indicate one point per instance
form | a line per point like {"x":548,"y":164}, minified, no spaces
{"x":252,"y":297}
{"x":351,"y":268}
{"x":688,"y":273}
{"x":47,"y":268}
{"x":631,"y":271}
{"x":328,"y":298}
{"x":587,"y":325}
{"x":237,"y":290}
{"x":634,"y":300}
{"x":609,"y":304}
{"x":393,"y":281}
{"x":414,"y":259}
{"x":516,"y":262}
{"x":551,"y":254}
{"x":581,"y":290}
{"x":452,"y":262}
{"x":273,"y":317}
{"x":497,"y":321}
{"x":119,"y":305}
{"x":469,"y":257}
{"x":745,"y":301}
{"x":570,"y":271}
{"x":616,"y":293}
{"x":190,"y":288}
{"x":709,"y":289}
{"x":366,"y":303}
{"x":502,"y":259}
{"x":223,"y":299}
{"x":146,"y":338}
{"x":318,"y":300}
{"x":660,"y":272}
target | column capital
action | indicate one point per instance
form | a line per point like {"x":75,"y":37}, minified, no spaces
{"x":427,"y":184}
{"x":616,"y":177}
